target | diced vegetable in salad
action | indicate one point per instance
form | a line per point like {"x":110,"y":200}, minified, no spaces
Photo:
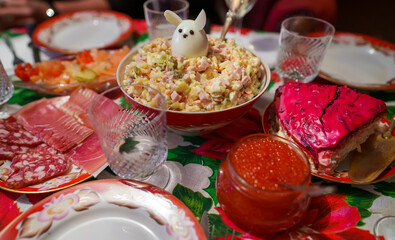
{"x":87,"y":66}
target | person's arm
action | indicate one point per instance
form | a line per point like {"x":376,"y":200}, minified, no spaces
{"x":19,"y":13}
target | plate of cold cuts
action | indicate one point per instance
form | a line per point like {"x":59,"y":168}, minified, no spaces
{"x":50,"y":145}
{"x":120,"y":209}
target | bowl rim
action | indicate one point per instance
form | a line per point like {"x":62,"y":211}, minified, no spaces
{"x":48,"y":23}
{"x":266,"y":77}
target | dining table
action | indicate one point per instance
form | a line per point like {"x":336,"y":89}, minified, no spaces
{"x":350,"y":212}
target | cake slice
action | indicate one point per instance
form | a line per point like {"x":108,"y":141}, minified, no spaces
{"x":328,"y":120}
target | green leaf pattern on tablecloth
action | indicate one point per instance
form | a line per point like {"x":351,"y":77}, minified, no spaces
{"x":184,"y":155}
{"x":24,"y":96}
{"x":218,"y":227}
{"x":195,"y":201}
{"x":385,"y":188}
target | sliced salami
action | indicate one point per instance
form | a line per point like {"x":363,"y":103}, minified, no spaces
{"x":8,"y":151}
{"x":38,"y":153}
{"x":13,"y":133}
{"x":37,"y":168}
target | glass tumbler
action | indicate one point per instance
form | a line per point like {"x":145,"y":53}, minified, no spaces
{"x":132,"y":135}
{"x":252,"y":184}
{"x":157,"y":24}
{"x":303,"y":43}
{"x":6,"y":90}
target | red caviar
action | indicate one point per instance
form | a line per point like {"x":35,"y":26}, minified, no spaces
{"x":261,"y":162}
{"x":249,"y":184}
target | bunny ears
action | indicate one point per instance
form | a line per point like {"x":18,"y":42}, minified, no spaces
{"x":174,"y":19}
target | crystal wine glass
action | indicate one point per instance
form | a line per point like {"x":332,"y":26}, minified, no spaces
{"x":6,"y":90}
{"x":133,"y":135}
{"x":385,"y":228}
{"x":244,"y":6}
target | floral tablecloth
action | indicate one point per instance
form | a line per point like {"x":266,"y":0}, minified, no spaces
{"x":350,"y":213}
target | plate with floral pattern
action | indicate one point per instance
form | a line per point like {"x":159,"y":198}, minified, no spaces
{"x":111,"y":208}
{"x":341,"y":173}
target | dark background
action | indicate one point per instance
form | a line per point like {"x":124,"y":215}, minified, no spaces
{"x":374,"y":18}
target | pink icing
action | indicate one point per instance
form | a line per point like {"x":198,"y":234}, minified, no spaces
{"x":319,"y":116}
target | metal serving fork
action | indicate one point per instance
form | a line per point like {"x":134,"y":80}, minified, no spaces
{"x":16,"y":60}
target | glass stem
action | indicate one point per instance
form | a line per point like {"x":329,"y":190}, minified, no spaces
{"x":238,"y":24}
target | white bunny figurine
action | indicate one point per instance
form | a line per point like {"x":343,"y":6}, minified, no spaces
{"x":189,"y":39}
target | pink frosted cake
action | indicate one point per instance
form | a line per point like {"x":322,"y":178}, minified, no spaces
{"x":328,"y":120}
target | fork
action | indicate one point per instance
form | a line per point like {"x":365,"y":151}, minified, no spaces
{"x":16,"y":60}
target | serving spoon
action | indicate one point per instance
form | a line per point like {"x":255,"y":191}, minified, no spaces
{"x":376,"y":154}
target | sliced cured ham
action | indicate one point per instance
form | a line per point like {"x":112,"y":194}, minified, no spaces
{"x":37,"y":166}
{"x":80,"y":100}
{"x":328,"y":120}
{"x":89,"y":156}
{"x":54,"y":127}
{"x":13,"y":133}
{"x":78,"y":105}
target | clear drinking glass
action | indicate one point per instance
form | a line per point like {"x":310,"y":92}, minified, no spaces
{"x":385,"y":227}
{"x":302,"y":46}
{"x":133,"y":136}
{"x":6,"y":90}
{"x":157,"y":24}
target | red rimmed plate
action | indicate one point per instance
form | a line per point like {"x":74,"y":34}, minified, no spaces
{"x":360,"y":61}
{"x":73,"y":177}
{"x":340,"y":176}
{"x":120,"y":209}
{"x":73,"y":32}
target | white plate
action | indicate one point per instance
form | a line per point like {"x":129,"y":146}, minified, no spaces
{"x":74,"y":32}
{"x":107,"y":209}
{"x":360,"y":61}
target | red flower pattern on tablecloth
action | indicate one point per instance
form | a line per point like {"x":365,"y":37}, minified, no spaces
{"x":8,"y":208}
{"x":274,"y":77}
{"x":220,"y":141}
{"x":328,"y":217}
{"x":140,"y":27}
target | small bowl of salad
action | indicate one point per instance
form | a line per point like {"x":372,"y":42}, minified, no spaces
{"x":94,"y":69}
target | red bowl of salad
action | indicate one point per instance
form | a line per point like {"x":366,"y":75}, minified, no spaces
{"x":196,"y":102}
{"x":94,"y":69}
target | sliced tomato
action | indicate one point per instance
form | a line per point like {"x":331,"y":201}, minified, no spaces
{"x":25,"y":71}
{"x":84,"y":57}
{"x":50,"y":69}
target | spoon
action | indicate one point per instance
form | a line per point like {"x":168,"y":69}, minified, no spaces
{"x":236,"y":4}
{"x":311,"y":190}
{"x":376,"y":154}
